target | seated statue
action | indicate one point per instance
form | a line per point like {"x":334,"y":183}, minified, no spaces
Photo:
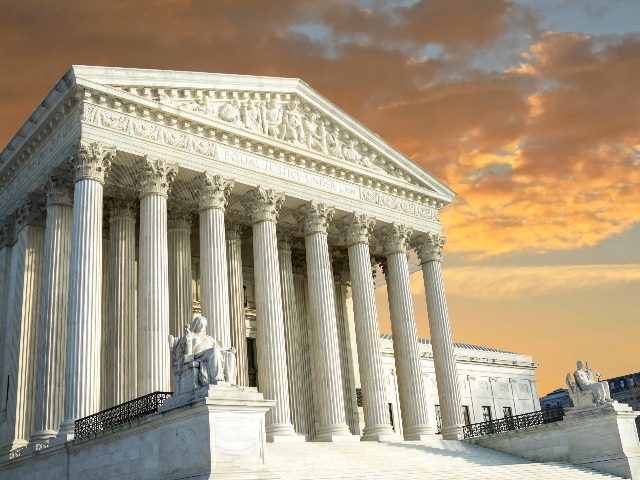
{"x":586,"y":391}
{"x":198,"y":360}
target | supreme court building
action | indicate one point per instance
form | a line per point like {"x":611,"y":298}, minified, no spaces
{"x":131,"y":199}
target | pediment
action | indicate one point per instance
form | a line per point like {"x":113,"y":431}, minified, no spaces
{"x":281,"y":110}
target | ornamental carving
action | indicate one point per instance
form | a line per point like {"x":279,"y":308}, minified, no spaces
{"x":234,"y":231}
{"x":155,"y":177}
{"x":121,"y":208}
{"x":395,"y":238}
{"x":264,"y":204}
{"x":314,"y":217}
{"x":178,"y":219}
{"x":92,"y":161}
{"x":284,"y":241}
{"x":31,"y":213}
{"x":357,"y":228}
{"x":286,"y":118}
{"x":59,"y":189}
{"x":6,"y":232}
{"x":429,"y":247}
{"x":214,"y":191}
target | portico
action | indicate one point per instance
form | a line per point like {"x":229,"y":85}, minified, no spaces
{"x":225,"y":193}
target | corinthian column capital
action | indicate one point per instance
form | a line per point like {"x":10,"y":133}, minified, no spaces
{"x":7,"y":225}
{"x":121,"y":208}
{"x":213,"y":190}
{"x":357,"y":228}
{"x":234,"y":231}
{"x":92,"y":161}
{"x":31,"y":212}
{"x":264,"y":204}
{"x":58,"y":190}
{"x":155,"y":177}
{"x":315,"y":217}
{"x":178,"y":219}
{"x":395,"y":238}
{"x":429,"y":247}
{"x":284,"y":241}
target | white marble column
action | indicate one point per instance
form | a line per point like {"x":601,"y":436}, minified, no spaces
{"x":264,"y":206}
{"x":292,"y":335}
{"x":347,"y":373}
{"x":26,"y":272}
{"x":121,"y":310}
{"x":429,"y":248}
{"x":357,"y":229}
{"x":52,"y":328}
{"x":106,"y":385}
{"x":315,"y":218}
{"x":298,"y":263}
{"x":213,"y":193}
{"x":413,"y":401}
{"x":155,"y":178}
{"x":236,"y":300}
{"x":84,"y":319}
{"x":179,"y":247}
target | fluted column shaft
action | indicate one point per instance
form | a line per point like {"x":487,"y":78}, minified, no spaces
{"x":84,"y":319}
{"x":153,"y":286}
{"x":121,"y":312}
{"x":214,"y":191}
{"x":292,"y":336}
{"x":306,"y":385}
{"x":376,"y":417}
{"x":413,"y":401}
{"x":236,"y":302}
{"x":52,"y":329}
{"x":429,"y":248}
{"x":23,"y":318}
{"x":315,"y":218}
{"x":273,"y":380}
{"x":179,"y":245}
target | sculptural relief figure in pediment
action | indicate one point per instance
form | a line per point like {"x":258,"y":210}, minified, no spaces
{"x":230,"y":112}
{"x":272,"y":118}
{"x":293,"y":129}
{"x":315,"y":132}
{"x":252,"y":117}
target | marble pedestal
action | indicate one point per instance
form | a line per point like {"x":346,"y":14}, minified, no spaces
{"x":216,"y":432}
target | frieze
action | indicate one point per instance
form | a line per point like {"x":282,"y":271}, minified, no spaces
{"x":165,"y":135}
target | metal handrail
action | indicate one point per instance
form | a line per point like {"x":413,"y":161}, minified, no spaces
{"x":120,"y":414}
{"x":516,"y":422}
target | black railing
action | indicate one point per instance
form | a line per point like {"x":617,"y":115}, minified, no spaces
{"x":120,"y":414}
{"x":541,"y":417}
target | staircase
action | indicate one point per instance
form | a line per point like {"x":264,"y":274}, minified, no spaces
{"x":433,"y":459}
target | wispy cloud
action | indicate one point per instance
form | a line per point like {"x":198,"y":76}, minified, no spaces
{"x":517,"y":282}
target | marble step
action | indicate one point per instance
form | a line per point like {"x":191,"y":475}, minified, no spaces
{"x":435,"y":458}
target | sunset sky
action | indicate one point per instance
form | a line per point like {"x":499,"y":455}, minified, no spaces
{"x":529,"y":110}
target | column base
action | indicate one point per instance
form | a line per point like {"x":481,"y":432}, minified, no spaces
{"x":418,"y":433}
{"x":379,"y":433}
{"x":15,"y":445}
{"x":334,"y":438}
{"x":286,"y":438}
{"x":43,"y":435}
{"x":453,"y":432}
{"x":280,"y":431}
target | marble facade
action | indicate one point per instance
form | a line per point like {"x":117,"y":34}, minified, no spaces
{"x":247,"y":186}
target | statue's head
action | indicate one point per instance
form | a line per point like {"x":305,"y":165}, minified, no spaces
{"x":199,"y":324}
{"x":579,"y":365}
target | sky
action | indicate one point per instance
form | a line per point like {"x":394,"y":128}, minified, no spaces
{"x":529,"y":110}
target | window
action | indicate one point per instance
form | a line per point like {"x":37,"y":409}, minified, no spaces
{"x":465,"y":415}
{"x":506,"y":412}
{"x":486,"y":414}
{"x":438,"y":419}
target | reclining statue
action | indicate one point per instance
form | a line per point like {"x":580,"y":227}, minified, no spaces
{"x":197,"y":359}
{"x":586,"y":391}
